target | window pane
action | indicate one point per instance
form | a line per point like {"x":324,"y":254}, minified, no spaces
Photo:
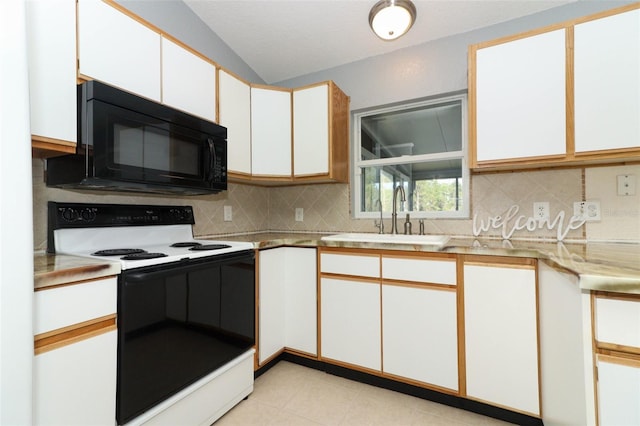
{"x":425,"y":129}
{"x":435,"y":186}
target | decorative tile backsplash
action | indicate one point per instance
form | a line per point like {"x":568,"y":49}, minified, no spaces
{"x":327,"y":206}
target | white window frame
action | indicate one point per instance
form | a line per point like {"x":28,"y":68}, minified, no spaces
{"x":357,"y":164}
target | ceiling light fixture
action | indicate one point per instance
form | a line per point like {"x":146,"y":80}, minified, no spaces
{"x":390,"y":19}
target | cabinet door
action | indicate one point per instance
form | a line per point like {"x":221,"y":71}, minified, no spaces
{"x":301,"y":300}
{"x":617,"y":323}
{"x":520,"y":98}
{"x":271,"y":281}
{"x":188,"y":81}
{"x":117,"y":49}
{"x":76,"y":384}
{"x":311,"y":130}
{"x":420,"y":337}
{"x":270,"y":132}
{"x":501,"y":341}
{"x":618,"y":391}
{"x":350,"y":319}
{"x":51,"y":35}
{"x":234,"y":99}
{"x":607,"y":82}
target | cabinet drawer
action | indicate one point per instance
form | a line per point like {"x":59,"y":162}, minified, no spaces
{"x":420,"y":270}
{"x":59,"y":307}
{"x":350,"y":264}
{"x":618,"y":321}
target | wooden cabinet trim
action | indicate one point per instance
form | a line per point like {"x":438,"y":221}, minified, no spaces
{"x":609,"y":348}
{"x":356,"y":278}
{"x":500,"y":261}
{"x":42,"y":146}
{"x":413,"y":284}
{"x":412,"y":255}
{"x":617,"y":296}
{"x":88,"y":280}
{"x":620,"y":359}
{"x":65,"y":336}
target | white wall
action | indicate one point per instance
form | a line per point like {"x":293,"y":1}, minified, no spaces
{"x":16,"y":227}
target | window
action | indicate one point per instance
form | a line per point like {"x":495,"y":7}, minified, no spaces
{"x":420,"y":145}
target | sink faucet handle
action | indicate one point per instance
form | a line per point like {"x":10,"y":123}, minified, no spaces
{"x":421,"y":222}
{"x":407,"y":225}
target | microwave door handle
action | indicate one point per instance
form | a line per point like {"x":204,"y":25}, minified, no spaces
{"x":212,"y":159}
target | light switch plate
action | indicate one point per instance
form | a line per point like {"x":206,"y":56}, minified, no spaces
{"x":299,"y":214}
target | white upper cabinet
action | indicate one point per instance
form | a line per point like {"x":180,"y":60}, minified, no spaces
{"x":234,"y":98}
{"x":118,"y":50}
{"x":271,"y":132}
{"x":607,"y":82}
{"x":52,"y":68}
{"x":520,"y":98}
{"x":188,"y":81}
{"x":311,"y":130}
{"x":567,"y":94}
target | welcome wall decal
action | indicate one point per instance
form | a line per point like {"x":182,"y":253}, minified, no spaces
{"x":511,"y":222}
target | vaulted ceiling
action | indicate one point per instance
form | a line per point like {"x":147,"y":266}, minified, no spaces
{"x":282,"y":39}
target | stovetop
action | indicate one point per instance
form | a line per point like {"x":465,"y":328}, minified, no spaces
{"x":166,"y":253}
{"x":146,"y":232}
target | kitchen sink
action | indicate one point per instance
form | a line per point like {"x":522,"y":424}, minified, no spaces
{"x":434,"y":240}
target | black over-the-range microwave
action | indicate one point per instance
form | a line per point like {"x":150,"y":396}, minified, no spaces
{"x":128,"y":143}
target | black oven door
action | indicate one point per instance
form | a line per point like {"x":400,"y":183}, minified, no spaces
{"x":132,"y":146}
{"x":179,"y":322}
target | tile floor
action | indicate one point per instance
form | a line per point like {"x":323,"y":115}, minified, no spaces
{"x":290,"y":394}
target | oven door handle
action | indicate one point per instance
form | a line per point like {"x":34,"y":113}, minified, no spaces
{"x":187,"y":265}
{"x":139,"y":277}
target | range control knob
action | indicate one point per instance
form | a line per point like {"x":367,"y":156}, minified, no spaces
{"x":180,"y":214}
{"x":69,"y":214}
{"x":88,"y":215}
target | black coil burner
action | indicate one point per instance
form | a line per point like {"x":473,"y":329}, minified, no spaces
{"x":186,"y":244}
{"x":117,"y":252}
{"x":209,"y":247}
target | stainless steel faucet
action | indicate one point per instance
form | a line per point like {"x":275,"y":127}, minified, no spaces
{"x":394,"y":215}
{"x":381,"y":224}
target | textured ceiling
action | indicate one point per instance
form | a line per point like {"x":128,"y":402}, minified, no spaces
{"x":282,"y":39}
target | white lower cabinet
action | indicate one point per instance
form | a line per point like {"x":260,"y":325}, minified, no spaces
{"x":74,"y":367}
{"x":419,"y":329}
{"x":501,"y":335}
{"x":617,"y":328}
{"x":618,"y":391}
{"x":287,"y":301}
{"x":350,"y":322}
{"x":76,"y":384}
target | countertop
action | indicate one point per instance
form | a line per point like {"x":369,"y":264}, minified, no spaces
{"x":51,"y":270}
{"x":600,"y":266}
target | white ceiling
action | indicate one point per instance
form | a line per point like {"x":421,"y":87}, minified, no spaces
{"x":282,"y":39}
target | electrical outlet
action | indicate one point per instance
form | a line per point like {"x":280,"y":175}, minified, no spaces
{"x":587,"y":210}
{"x":541,"y":210}
{"x":228,"y":213}
{"x":299,"y":214}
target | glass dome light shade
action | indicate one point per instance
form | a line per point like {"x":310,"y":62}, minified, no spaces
{"x":391,"y":19}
